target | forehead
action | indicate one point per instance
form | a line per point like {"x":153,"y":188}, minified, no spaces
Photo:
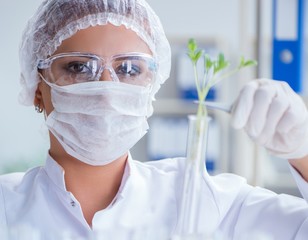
{"x":104,"y":40}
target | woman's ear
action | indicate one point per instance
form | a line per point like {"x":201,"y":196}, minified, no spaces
{"x":38,"y":99}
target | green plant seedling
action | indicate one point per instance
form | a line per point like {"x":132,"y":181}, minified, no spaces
{"x":214,"y":71}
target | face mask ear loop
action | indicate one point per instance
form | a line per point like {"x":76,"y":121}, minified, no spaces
{"x":42,"y":77}
{"x":48,"y":83}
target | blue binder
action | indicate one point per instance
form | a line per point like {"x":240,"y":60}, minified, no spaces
{"x":288,"y":42}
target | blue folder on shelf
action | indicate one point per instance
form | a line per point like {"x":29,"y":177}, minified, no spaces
{"x":288,"y":42}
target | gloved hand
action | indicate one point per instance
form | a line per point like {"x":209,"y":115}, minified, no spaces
{"x":274,"y":116}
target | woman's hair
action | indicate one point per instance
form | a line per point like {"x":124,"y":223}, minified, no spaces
{"x":57,"y":20}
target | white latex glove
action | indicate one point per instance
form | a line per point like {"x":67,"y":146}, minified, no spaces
{"x":274,"y":116}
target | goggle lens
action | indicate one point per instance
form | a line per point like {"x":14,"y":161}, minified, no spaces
{"x":66,"y":69}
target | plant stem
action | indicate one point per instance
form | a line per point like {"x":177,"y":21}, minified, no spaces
{"x":196,"y":78}
{"x":225,"y":75}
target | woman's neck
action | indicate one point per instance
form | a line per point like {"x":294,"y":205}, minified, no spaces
{"x":94,"y":187}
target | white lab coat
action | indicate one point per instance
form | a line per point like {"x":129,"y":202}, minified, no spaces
{"x":147,"y":202}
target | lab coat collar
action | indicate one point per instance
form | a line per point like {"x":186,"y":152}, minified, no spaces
{"x":56,"y":173}
{"x":128,"y":176}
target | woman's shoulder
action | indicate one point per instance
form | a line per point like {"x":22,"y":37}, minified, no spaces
{"x":167,"y":164}
{"x":11,"y":181}
{"x":178,"y":165}
{"x":174,"y":168}
{"x":163,"y":167}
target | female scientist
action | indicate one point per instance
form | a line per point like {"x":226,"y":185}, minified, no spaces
{"x":93,"y":67}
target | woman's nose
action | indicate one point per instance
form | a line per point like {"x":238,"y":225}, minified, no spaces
{"x":106,"y":75}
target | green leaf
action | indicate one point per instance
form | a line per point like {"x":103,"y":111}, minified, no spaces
{"x":208,"y":63}
{"x":193,"y":52}
{"x":191,"y":55}
{"x":246,"y":63}
{"x":221,"y":58}
{"x":250,"y":63}
{"x":198,"y":55}
{"x":192,"y":45}
{"x":221,"y":63}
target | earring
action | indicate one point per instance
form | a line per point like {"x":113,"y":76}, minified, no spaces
{"x":38,"y":109}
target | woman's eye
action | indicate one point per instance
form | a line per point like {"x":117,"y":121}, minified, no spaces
{"x":128,"y":68}
{"x":78,"y":67}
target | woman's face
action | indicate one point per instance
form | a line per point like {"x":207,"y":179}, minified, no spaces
{"x":105,"y":41}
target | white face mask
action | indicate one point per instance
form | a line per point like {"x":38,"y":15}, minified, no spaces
{"x":98,"y":122}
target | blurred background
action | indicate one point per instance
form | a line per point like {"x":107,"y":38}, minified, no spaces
{"x":234,"y":27}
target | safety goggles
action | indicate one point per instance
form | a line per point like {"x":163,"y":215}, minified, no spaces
{"x":75,"y":67}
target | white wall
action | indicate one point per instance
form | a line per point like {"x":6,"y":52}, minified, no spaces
{"x":19,"y":129}
{"x":199,"y":18}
